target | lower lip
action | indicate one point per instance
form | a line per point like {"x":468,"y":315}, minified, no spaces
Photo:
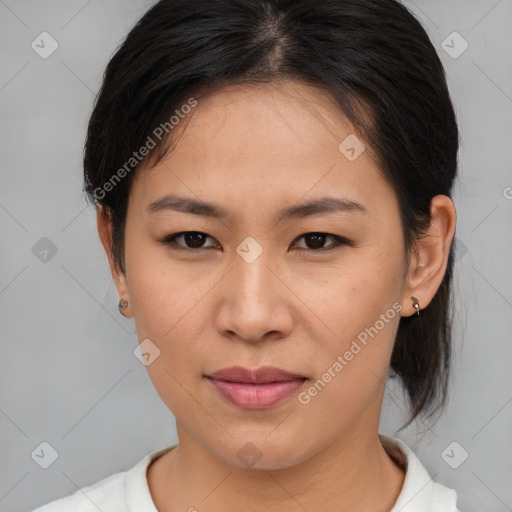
{"x":256,"y":396}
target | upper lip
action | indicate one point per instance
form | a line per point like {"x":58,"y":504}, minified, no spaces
{"x":263,"y":375}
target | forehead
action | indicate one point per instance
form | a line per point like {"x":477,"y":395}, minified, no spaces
{"x":265,"y":143}
{"x":279,"y":120}
{"x":276,"y":115}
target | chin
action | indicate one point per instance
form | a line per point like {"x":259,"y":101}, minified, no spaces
{"x":261,"y":454}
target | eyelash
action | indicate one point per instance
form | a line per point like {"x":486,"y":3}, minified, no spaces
{"x":170,"y":240}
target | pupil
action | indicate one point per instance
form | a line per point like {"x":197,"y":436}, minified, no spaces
{"x":196,"y":239}
{"x":319,"y":242}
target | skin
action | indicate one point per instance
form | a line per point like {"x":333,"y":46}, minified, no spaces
{"x":254,"y":150}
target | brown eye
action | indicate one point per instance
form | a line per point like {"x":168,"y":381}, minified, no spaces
{"x":191,"y":239}
{"x":315,"y":241}
{"x":194,"y":239}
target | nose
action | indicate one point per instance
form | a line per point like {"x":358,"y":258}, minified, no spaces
{"x":255,"y":302}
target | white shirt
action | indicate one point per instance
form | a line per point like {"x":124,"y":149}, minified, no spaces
{"x":128,"y":491}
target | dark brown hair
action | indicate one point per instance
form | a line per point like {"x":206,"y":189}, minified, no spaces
{"x":372,"y":56}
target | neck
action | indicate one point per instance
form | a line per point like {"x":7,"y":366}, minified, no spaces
{"x":354,"y":473}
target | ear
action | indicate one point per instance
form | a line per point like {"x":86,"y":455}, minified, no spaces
{"x":428,"y":263}
{"x":104,"y":222}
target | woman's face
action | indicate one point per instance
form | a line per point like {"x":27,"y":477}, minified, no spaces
{"x":254,"y":291}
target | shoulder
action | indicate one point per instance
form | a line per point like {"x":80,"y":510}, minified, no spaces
{"x":420,"y":493}
{"x":121,"y":492}
{"x":107,"y":494}
{"x":444,"y":498}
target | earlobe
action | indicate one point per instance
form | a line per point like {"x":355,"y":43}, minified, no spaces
{"x":429,"y":261}
{"x":104,"y":223}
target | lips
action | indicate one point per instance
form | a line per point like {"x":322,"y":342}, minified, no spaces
{"x":256,"y":389}
{"x":263,"y":375}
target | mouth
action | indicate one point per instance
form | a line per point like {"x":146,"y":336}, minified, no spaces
{"x":256,"y":389}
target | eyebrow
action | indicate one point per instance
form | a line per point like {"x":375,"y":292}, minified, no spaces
{"x":314,"y":207}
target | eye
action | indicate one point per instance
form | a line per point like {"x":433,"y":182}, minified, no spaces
{"x":317,"y":241}
{"x":196,"y":240}
{"x":192,"y":239}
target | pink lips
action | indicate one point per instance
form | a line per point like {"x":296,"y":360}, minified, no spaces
{"x":255,"y":389}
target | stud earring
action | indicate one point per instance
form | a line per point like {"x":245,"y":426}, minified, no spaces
{"x":123,"y":304}
{"x":416,"y":304}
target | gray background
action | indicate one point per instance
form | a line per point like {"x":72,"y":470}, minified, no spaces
{"x":68,"y":373}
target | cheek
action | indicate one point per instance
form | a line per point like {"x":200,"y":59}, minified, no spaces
{"x":167,"y":296}
{"x":349,"y":296}
{"x":358,"y":306}
{"x":170,"y":310}
{"x":351,"y":369}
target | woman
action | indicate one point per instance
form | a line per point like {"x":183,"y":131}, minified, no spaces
{"x":273,"y":187}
